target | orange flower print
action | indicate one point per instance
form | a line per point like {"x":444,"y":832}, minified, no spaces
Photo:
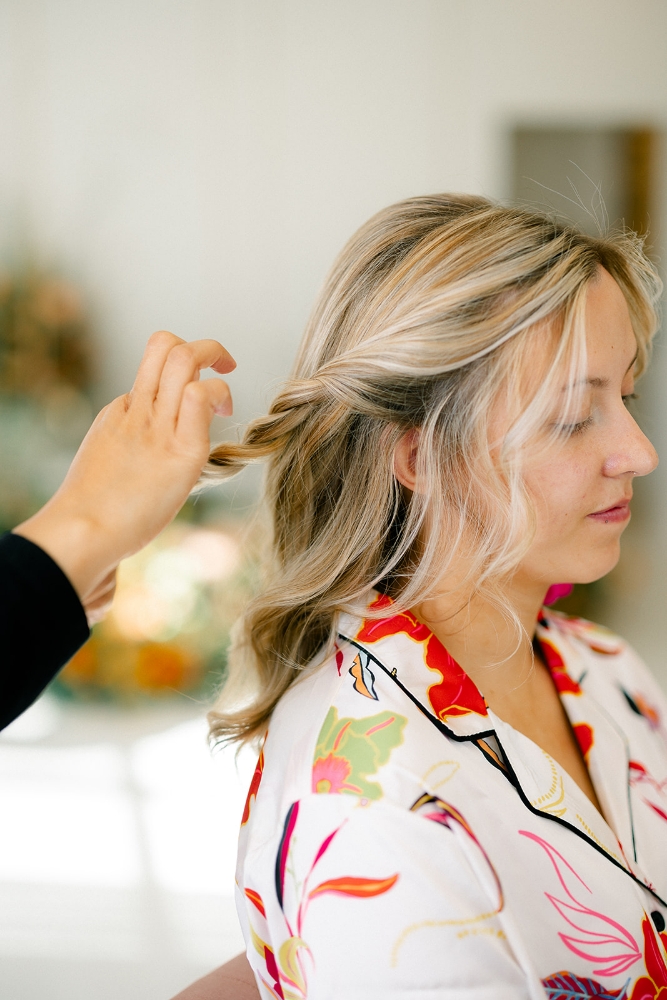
{"x":455,"y":694}
{"x":641,"y":706}
{"x":285,"y":971}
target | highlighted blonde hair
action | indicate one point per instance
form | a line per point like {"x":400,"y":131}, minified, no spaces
{"x":425,"y":322}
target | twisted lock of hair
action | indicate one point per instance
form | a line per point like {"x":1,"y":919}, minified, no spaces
{"x":266,"y":435}
{"x":424,"y":323}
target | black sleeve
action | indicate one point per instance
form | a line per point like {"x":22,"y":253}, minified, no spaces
{"x":42,"y":623}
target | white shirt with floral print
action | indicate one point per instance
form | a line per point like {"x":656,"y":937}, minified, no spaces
{"x":402,"y":841}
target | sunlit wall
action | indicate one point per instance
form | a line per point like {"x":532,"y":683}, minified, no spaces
{"x":197,"y":163}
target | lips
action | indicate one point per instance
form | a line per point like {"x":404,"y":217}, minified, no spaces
{"x":614,"y":514}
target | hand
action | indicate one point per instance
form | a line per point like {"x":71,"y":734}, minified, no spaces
{"x":135,"y":467}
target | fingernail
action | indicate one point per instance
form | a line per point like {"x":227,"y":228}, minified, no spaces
{"x":224,"y":409}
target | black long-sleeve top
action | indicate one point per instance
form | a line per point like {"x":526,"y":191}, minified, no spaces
{"x":42,"y":623}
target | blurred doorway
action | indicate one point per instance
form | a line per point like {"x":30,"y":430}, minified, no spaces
{"x":596,"y":177}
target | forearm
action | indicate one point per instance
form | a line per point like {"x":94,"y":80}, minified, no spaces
{"x":33,"y":587}
{"x":232,"y":981}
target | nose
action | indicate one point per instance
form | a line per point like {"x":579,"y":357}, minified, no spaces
{"x":632,"y":453}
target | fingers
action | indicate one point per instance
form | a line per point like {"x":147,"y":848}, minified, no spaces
{"x":183,"y":365}
{"x":200,"y":401}
{"x":157,"y":350}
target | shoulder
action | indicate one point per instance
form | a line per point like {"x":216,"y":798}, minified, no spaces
{"x":607,"y":660}
{"x":335,"y":729}
{"x":344,"y":732}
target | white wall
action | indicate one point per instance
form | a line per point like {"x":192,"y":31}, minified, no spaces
{"x":196,"y":164}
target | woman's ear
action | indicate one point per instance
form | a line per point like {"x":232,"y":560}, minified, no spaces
{"x":405,"y":459}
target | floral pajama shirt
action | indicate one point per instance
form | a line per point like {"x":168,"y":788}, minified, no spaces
{"x":400,"y":841}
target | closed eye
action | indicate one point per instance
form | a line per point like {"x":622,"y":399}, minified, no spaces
{"x":578,"y":428}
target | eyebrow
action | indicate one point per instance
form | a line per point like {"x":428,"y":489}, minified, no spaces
{"x":603,"y":383}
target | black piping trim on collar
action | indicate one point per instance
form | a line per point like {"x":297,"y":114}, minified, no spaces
{"x":432,"y":718}
{"x":510,"y":774}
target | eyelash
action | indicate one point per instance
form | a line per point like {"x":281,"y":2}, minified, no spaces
{"x":572,"y":429}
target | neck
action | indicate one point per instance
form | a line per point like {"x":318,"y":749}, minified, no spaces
{"x":480,"y":638}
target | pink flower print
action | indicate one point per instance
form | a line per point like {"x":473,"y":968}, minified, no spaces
{"x":598,"y":938}
{"x":330,"y":775}
{"x":349,"y":751}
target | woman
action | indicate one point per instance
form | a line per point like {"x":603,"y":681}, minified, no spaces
{"x":461,"y":793}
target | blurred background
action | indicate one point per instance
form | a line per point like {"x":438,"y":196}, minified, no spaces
{"x":195,"y":165}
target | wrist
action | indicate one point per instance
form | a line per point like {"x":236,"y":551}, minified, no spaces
{"x":76,"y":543}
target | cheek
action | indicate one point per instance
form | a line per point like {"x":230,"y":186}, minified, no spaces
{"x":559,"y":492}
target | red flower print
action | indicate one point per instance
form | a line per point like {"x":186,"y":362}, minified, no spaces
{"x":653,"y":986}
{"x":256,"y":900}
{"x":584,"y":736}
{"x":554,"y":661}
{"x":639,"y":775}
{"x":455,"y":694}
{"x":252,"y":791}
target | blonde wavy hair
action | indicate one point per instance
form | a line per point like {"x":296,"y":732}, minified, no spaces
{"x":425,"y":323}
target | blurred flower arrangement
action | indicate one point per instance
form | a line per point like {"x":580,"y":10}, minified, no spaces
{"x":169,"y":627}
{"x":45,"y":381}
{"x":168,"y":630}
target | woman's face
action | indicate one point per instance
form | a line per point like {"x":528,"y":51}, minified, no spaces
{"x":581,"y":485}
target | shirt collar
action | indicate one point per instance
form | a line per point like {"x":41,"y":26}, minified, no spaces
{"x":409,"y":651}
{"x":420,"y":661}
{"x":417,"y":658}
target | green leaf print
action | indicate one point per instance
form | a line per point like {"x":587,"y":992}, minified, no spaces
{"x":349,"y":750}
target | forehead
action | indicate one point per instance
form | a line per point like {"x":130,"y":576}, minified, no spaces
{"x":610,"y":339}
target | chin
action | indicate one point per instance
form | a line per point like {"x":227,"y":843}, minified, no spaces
{"x":598,"y":566}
